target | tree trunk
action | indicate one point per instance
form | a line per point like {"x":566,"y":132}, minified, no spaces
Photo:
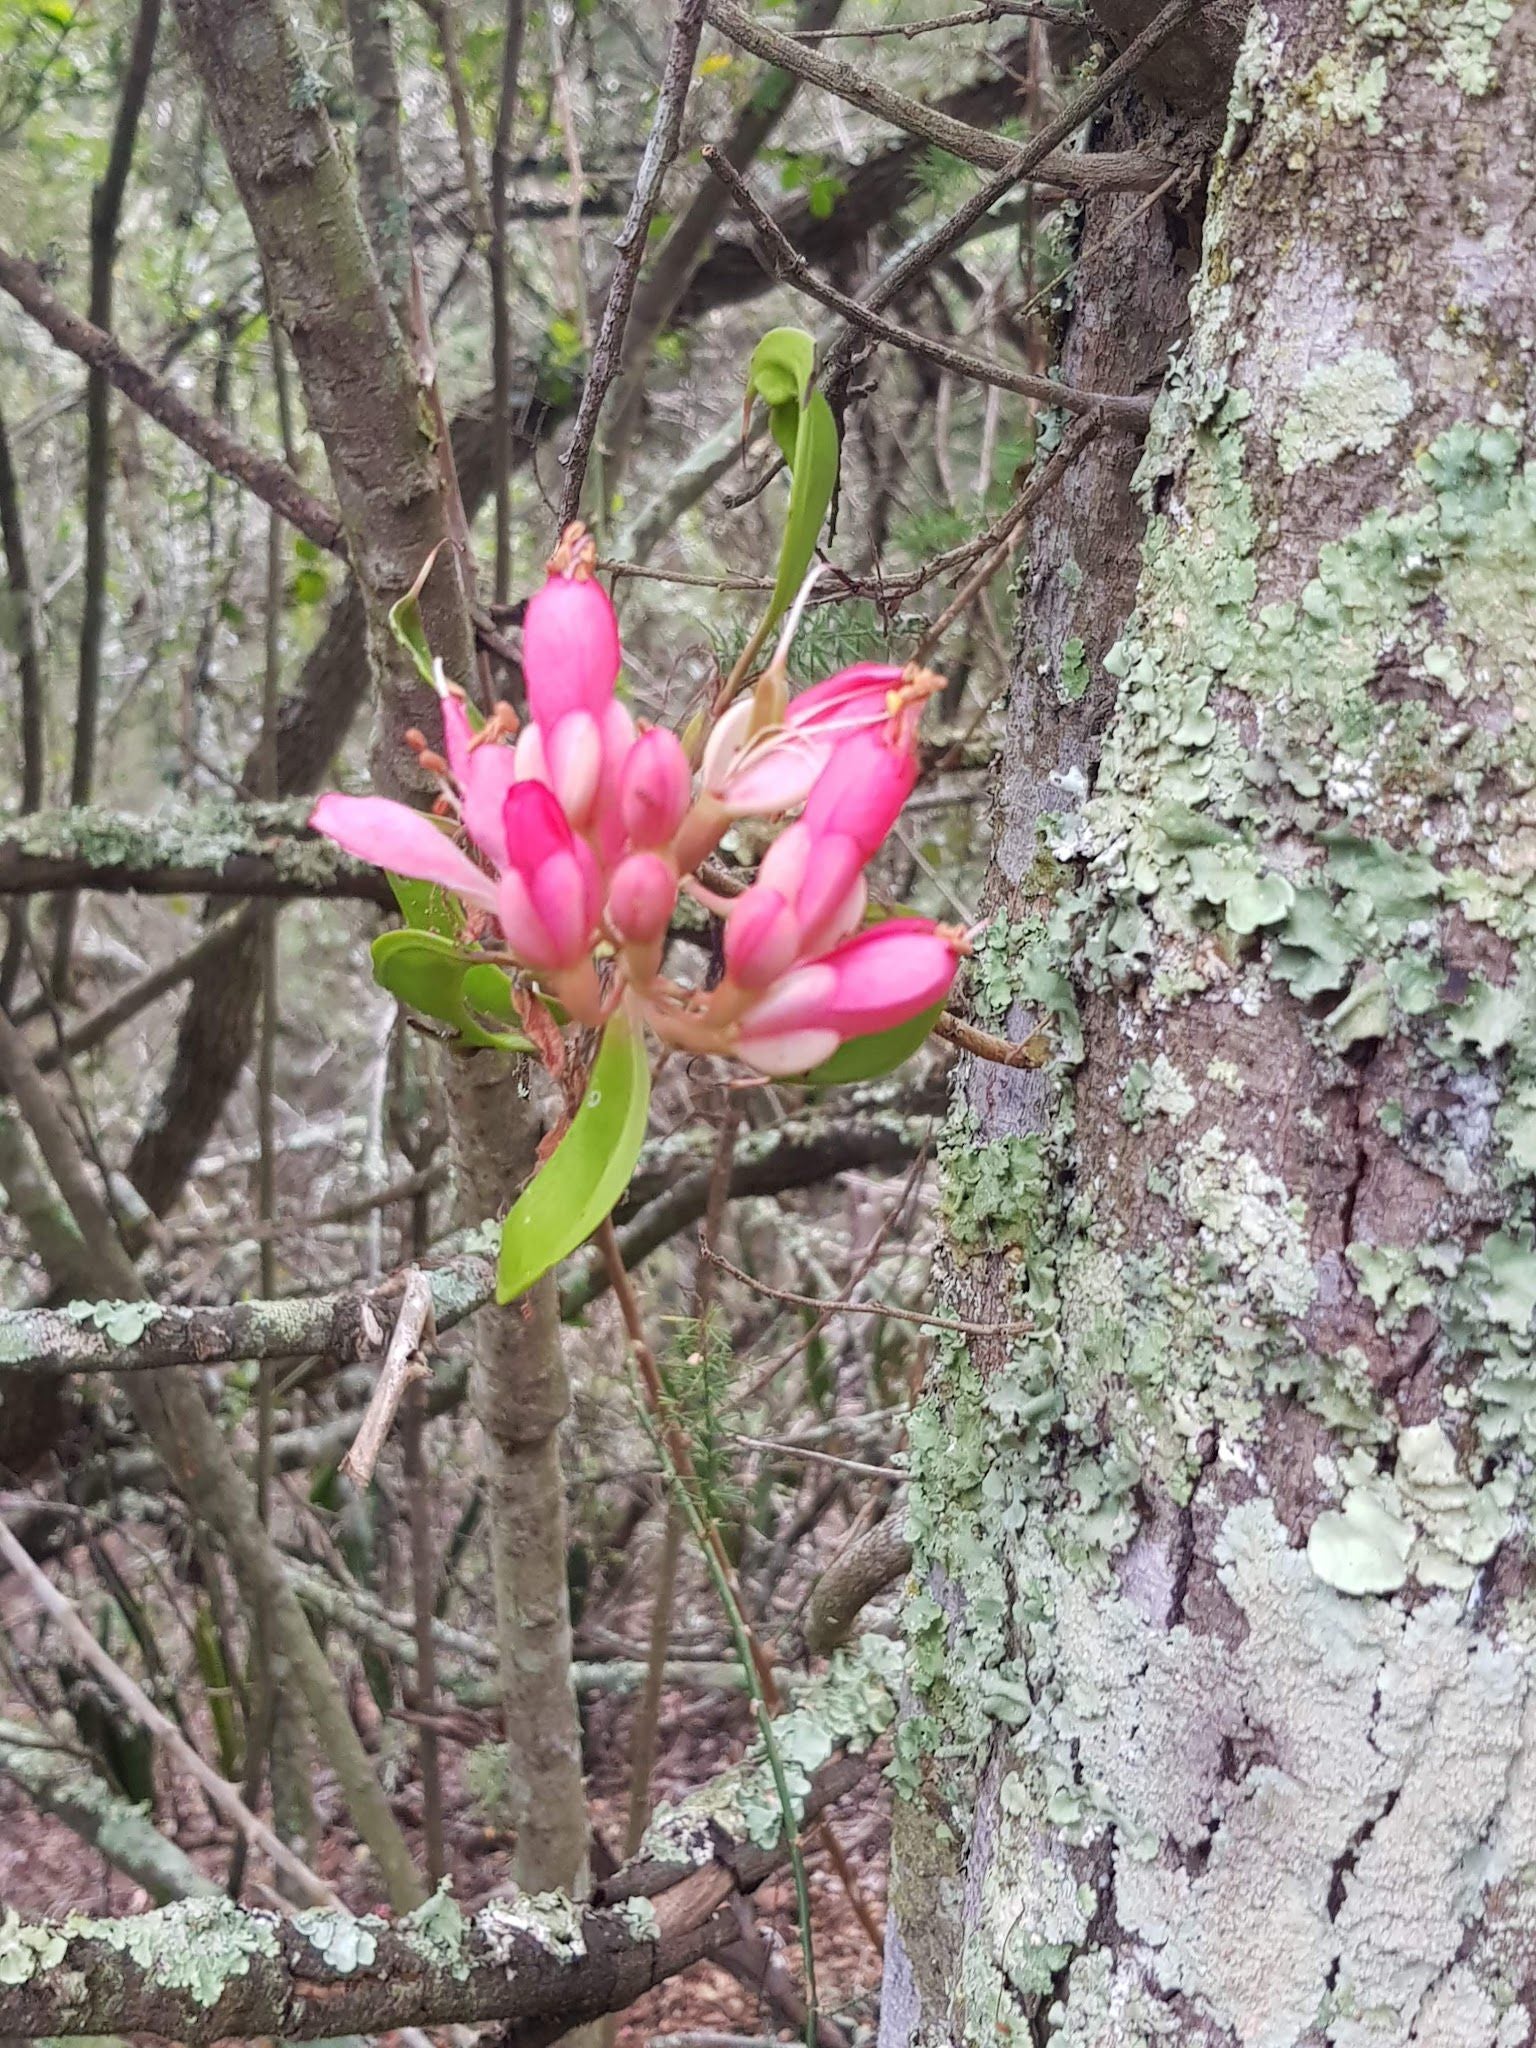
{"x":1219,"y":1663}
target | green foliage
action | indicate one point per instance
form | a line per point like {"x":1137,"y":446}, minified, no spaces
{"x":802,"y":424}
{"x":588,"y":1170}
{"x":430,"y":973}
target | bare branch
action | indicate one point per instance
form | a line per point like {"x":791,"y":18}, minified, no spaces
{"x":402,"y":1365}
{"x":1131,"y":414}
{"x":660,"y":149}
{"x":1137,"y":173}
{"x":271,"y":481}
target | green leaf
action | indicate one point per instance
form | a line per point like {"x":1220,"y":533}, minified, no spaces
{"x":427,"y":906}
{"x":865,"y":1059}
{"x":781,"y":366}
{"x":813,"y":478}
{"x":588,"y":1170}
{"x":405,"y":624}
{"x":429,"y":973}
{"x":801,"y":421}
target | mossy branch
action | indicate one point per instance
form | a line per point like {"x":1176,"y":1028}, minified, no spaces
{"x":217,"y":848}
{"x":203,"y":1970}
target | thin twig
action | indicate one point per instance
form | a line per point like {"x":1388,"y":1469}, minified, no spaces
{"x":1027,"y":162}
{"x":1033,"y":1051}
{"x":1072,"y":444}
{"x":972,"y":145}
{"x":864,"y":1308}
{"x":402,"y":1364}
{"x":629,"y":246}
{"x":219,"y":1790}
{"x":1132,"y":414}
{"x":813,"y":1457}
{"x":271,"y":481}
{"x":970,"y":17}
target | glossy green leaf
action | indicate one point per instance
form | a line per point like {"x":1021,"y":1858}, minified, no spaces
{"x":881,"y":1052}
{"x":405,"y":624}
{"x":805,"y":432}
{"x":781,"y":366}
{"x":813,"y":478}
{"x":427,"y":906}
{"x":588,"y":1170}
{"x":428,"y":972}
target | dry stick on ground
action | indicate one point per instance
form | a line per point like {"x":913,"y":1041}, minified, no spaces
{"x":629,"y":246}
{"x":951,"y":1324}
{"x":402,"y":1366}
{"x":1115,"y":409}
{"x":219,"y":1790}
{"x":679,"y":1452}
{"x":1135,"y":173}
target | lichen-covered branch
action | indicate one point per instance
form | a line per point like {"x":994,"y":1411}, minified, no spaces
{"x":129,"y":1336}
{"x":203,"y":1970}
{"x":212,"y":848}
{"x":59,"y":1782}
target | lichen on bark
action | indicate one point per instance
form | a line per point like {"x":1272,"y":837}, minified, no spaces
{"x":1221,"y":1664}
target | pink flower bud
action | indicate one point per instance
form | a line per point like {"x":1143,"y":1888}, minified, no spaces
{"x":654,"y":788}
{"x":573,"y":750}
{"x":762,"y":938}
{"x":550,"y":893}
{"x":406,"y":842}
{"x":640,"y":899}
{"x":879,"y":979}
{"x":570,"y":637}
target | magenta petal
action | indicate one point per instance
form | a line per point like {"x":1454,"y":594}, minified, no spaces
{"x":798,"y":1000}
{"x":654,"y":788}
{"x":854,"y":696}
{"x":535,"y":826}
{"x":521,"y":924}
{"x":406,"y":842}
{"x":861,"y":790}
{"x":762,"y":937}
{"x":457,"y":734}
{"x":832,"y":874}
{"x":889,"y":974}
{"x":563,"y":902}
{"x":640,"y":898}
{"x":488,"y":775}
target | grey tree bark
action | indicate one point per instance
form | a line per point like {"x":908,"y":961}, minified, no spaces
{"x":1219,"y":1661}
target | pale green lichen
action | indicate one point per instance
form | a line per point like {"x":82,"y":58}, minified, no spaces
{"x":192,"y":1945}
{"x":1357,"y":403}
{"x":439,"y":1932}
{"x":121,"y":1322}
{"x":343,"y":1941}
{"x":848,"y":1708}
{"x":549,"y":1920}
{"x":26,"y":1950}
{"x":639,"y":1916}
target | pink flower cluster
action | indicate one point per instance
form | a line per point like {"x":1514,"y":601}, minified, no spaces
{"x":573,"y":842}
